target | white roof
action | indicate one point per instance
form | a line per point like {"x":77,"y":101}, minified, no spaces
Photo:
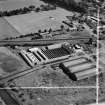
{"x":34,"y":49}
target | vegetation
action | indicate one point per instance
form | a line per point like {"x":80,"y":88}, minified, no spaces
{"x":70,"y":5}
{"x":26,"y":10}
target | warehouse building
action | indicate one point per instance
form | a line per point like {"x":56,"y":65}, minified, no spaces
{"x":48,"y":54}
{"x":79,"y":68}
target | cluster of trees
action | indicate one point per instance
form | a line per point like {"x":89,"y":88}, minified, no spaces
{"x":69,"y":4}
{"x":34,"y":35}
{"x":37,"y":35}
{"x":26,"y":10}
{"x":17,"y":11}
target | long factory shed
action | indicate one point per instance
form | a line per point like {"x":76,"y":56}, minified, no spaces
{"x":79,"y":68}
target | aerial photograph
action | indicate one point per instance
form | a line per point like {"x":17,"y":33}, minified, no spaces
{"x":52,"y":52}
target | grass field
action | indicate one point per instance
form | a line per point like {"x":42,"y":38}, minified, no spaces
{"x":9,"y":62}
{"x":6,"y":30}
{"x":32,"y":22}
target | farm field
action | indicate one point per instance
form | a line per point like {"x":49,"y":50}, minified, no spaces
{"x":9,"y":62}
{"x":6,"y":30}
{"x":32,"y":22}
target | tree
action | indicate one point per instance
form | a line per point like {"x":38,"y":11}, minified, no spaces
{"x":67,"y":29}
{"x":90,"y":41}
{"x":39,"y":31}
{"x":45,"y":30}
{"x":31,"y":7}
{"x":62,"y":27}
{"x":37,"y":9}
{"x":50,"y":30}
{"x":1,"y":13}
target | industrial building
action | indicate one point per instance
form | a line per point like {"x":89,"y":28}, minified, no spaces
{"x":48,"y":54}
{"x":79,"y":68}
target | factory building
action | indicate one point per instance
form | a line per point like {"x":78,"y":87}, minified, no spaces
{"x":79,"y":68}
{"x":48,"y":54}
{"x":55,"y":53}
{"x":26,"y":56}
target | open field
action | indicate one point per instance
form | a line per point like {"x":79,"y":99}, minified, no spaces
{"x":102,"y":87}
{"x":6,"y":30}
{"x":48,"y":77}
{"x":60,"y":96}
{"x":51,"y":96}
{"x":14,"y":4}
{"x":32,"y":22}
{"x":84,"y":33}
{"x":9,"y":62}
{"x":102,"y":75}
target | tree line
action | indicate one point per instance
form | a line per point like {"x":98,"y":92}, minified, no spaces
{"x":26,"y":10}
{"x":69,"y":5}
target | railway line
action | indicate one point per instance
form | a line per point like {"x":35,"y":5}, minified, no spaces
{"x":43,"y":42}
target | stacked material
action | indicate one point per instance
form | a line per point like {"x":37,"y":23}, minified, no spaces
{"x":79,"y":68}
